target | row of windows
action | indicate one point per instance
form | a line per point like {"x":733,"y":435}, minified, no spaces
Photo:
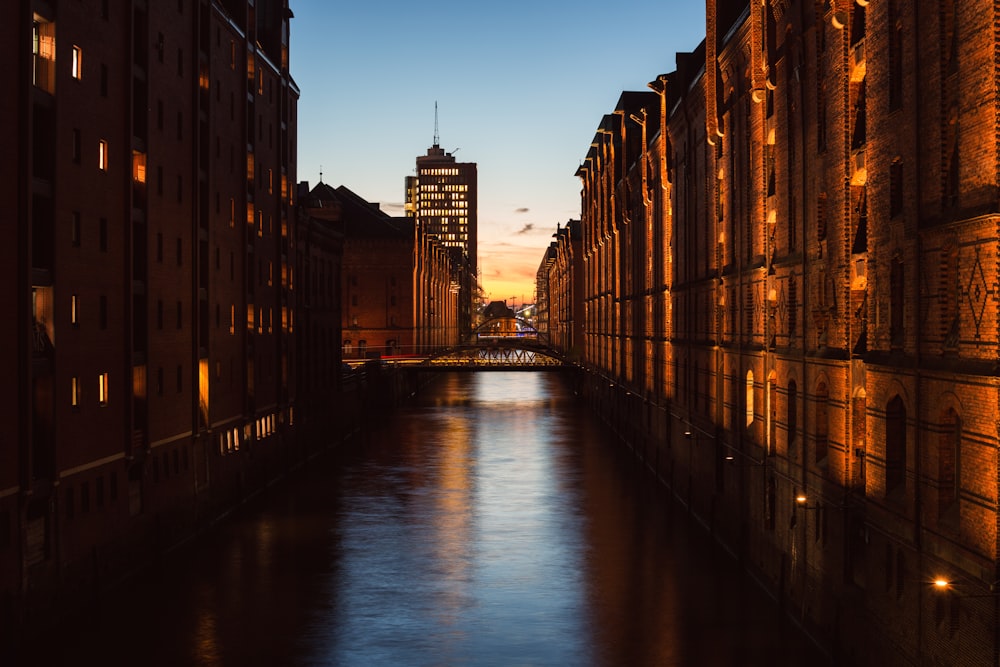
{"x":439,"y":172}
{"x":232,"y":439}
{"x":103,"y":390}
{"x":83,"y":494}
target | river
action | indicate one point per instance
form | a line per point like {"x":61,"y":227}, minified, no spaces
{"x":491,"y":522}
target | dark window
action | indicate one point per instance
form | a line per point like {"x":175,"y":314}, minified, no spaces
{"x":77,"y":147}
{"x":180,"y":378}
{"x":895,"y":188}
{"x":822,"y":422}
{"x":896,"y":294}
{"x":104,"y":80}
{"x":85,"y":497}
{"x":103,"y":312}
{"x":949,"y":460}
{"x":895,"y":445}
{"x":159,"y":314}
{"x":99,"y":492}
{"x":180,"y":314}
{"x":70,"y":502}
{"x":76,"y":229}
{"x":180,"y":251}
{"x":103,"y":234}
{"x":159,"y":247}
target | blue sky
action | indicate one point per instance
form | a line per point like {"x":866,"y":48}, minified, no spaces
{"x":520,"y":86}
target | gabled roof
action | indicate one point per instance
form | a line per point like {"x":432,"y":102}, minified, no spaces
{"x":364,"y":219}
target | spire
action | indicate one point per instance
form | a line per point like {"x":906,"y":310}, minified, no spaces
{"x":437,"y":138}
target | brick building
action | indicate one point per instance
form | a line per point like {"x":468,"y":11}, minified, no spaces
{"x":559,"y":290}
{"x":396,"y":285}
{"x":150,"y":271}
{"x":790,"y":264}
{"x":321,"y":403}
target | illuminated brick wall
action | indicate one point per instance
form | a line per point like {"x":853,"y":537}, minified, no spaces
{"x":829,"y":249}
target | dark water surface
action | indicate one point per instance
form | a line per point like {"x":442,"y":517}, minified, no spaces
{"x":492,"y":523}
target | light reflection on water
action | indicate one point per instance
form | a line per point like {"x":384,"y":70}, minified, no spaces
{"x":489,"y":524}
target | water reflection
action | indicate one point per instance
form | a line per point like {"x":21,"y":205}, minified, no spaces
{"x":489,"y":524}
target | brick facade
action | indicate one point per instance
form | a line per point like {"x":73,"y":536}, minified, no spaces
{"x":792,"y":279}
{"x":152,"y":279}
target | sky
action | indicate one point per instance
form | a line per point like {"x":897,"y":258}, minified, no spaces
{"x":520,"y":88}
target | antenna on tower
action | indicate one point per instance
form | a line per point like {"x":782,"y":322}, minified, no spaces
{"x":437,"y":138}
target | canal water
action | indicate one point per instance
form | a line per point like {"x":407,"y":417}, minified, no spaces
{"x":492,"y":522}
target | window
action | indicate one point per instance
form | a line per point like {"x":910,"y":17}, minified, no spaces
{"x":103,"y":234}
{"x":77,"y":147}
{"x":103,"y":312}
{"x":180,"y":314}
{"x":104,"y":80}
{"x":76,"y":63}
{"x":822,"y":422}
{"x":895,"y":188}
{"x":74,"y":392}
{"x":897,"y":293}
{"x":43,"y":50}
{"x":180,"y":378}
{"x":102,"y":155}
{"x":749,"y":398}
{"x":75,"y":234}
{"x":102,"y":389}
{"x":949,"y":460}
{"x":895,"y":445}
{"x":73,"y":310}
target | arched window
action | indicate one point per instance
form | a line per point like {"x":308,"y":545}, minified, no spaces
{"x":362,"y":348}
{"x":895,"y":445}
{"x":749,"y":398}
{"x":348,"y":348}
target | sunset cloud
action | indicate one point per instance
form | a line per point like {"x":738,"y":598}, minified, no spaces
{"x":521,"y":210}
{"x":527,"y":228}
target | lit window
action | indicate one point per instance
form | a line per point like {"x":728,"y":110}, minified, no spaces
{"x":74,"y":391}
{"x":77,"y":63}
{"x":102,"y":389}
{"x":138,"y":167}
{"x":749,"y":400}
{"x":72,"y":310}
{"x":102,"y":154}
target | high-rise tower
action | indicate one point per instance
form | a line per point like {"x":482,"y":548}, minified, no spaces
{"x":443,"y":199}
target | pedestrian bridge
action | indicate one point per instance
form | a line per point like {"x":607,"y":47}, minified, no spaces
{"x":489,"y":354}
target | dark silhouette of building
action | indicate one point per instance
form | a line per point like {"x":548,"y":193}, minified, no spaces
{"x":397,"y":291}
{"x":788,"y":250}
{"x":149,"y":277}
{"x":321,"y":403}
